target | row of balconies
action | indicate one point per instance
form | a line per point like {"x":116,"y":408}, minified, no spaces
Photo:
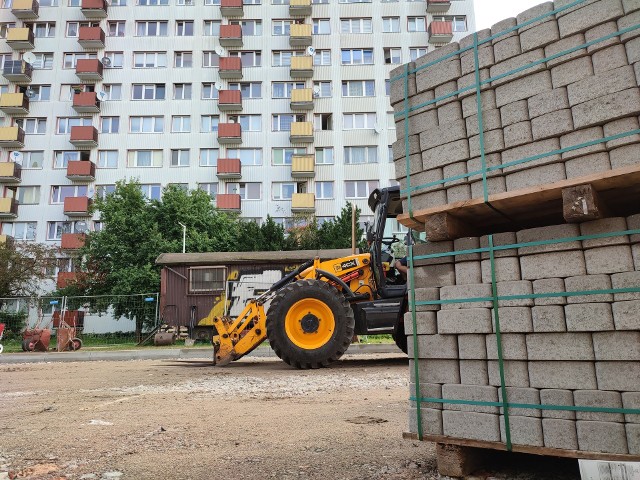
{"x":22,"y":38}
{"x":300,"y":202}
{"x":18,"y":103}
{"x":73,"y":207}
{"x":235,"y":8}
{"x":30,"y":9}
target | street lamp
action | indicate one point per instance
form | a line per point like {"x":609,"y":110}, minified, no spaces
{"x":184,"y":236}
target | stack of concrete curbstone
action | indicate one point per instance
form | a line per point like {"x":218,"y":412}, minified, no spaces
{"x":563,"y":80}
{"x":580,"y":349}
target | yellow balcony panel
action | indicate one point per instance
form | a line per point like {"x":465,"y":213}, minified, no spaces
{"x":300,"y":35}
{"x":11,"y":137}
{"x":303,"y":166}
{"x":25,"y":9}
{"x":20,"y":38}
{"x":301,"y":67}
{"x":299,"y":8}
{"x":301,"y":132}
{"x":8,"y":208}
{"x":10,"y":172}
{"x":302,"y":99}
{"x":6,"y":240}
{"x":17,"y":71}
{"x":14,"y":103}
{"x":303,"y":202}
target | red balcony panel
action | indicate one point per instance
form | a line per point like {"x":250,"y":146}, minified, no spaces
{"x":72,"y":241}
{"x":440,"y":32}
{"x":94,"y":8}
{"x":230,"y":68}
{"x":84,"y":137}
{"x":231,"y":35}
{"x":86,"y":102}
{"x":438,"y":6}
{"x":229,"y":100}
{"x":231,"y":8}
{"x":67,"y":278}
{"x":91,"y":37}
{"x":228,"y":201}
{"x":229,"y":133}
{"x":89,"y":69}
{"x":229,"y":168}
{"x":77,"y":206}
{"x":81,"y":170}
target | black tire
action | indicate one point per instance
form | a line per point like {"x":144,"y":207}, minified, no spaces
{"x":75,"y":344}
{"x":320,"y":293}
{"x":28,"y":346}
{"x":401,"y":341}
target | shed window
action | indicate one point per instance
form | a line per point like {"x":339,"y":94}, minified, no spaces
{"x":205,"y":280}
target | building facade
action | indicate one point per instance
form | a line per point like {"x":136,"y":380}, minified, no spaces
{"x":272,"y":106}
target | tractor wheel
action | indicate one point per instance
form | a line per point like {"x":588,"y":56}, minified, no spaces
{"x":309,"y":324}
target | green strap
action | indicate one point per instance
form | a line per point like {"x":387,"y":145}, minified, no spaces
{"x":407,"y":150}
{"x":483,"y":161}
{"x":414,"y":322}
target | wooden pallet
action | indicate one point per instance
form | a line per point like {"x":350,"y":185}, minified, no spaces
{"x":613,"y":192}
{"x":458,"y":457}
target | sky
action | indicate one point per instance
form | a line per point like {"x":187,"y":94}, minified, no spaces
{"x":489,"y":12}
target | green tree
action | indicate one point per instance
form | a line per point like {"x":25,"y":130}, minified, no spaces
{"x":273,"y":235}
{"x":23,"y":267}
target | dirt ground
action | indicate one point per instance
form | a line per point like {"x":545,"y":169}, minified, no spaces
{"x":186,"y":419}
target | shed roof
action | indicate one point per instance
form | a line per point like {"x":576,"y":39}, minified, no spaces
{"x":222,"y":258}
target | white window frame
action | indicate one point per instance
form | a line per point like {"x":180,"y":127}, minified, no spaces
{"x":249,"y":157}
{"x":209,"y":123}
{"x":146,"y":124}
{"x":154,"y":88}
{"x":359,"y":121}
{"x":181,"y":124}
{"x":107,"y":159}
{"x":321,"y":190}
{"x":361,"y":188}
{"x":368,"y":154}
{"x":209,"y":157}
{"x":350,"y":88}
{"x":180,"y":157}
{"x":144,"y":158}
{"x":149,"y":59}
{"x":182,"y":91}
{"x":109,"y":124}
{"x":356,"y":26}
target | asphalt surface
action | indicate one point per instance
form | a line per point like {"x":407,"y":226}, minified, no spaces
{"x":160,"y":354}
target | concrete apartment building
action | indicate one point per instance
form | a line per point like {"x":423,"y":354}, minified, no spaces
{"x":272,"y":106}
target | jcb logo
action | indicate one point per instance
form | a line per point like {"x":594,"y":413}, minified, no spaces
{"x":346,"y":265}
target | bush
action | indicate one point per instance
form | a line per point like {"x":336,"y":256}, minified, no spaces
{"x":15,"y":323}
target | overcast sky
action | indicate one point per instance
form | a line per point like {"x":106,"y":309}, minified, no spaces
{"x":489,"y":12}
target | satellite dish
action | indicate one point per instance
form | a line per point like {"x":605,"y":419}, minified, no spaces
{"x":16,"y":157}
{"x":90,"y":192}
{"x":311,"y":51}
{"x":30,"y":92}
{"x":106,"y":61}
{"x":376,"y":128}
{"x":29,"y":57}
{"x":316,"y":91}
{"x":219,"y":51}
{"x":102,"y":95}
{"x":217,"y":87}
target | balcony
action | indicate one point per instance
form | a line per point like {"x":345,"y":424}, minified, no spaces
{"x":301,"y":132}
{"x":229,"y":168}
{"x":25,"y":9}
{"x":8,"y":208}
{"x":229,"y":202}
{"x":72,"y":241}
{"x":231,"y":35}
{"x":14,"y":103}
{"x":81,"y":171}
{"x":303,"y":202}
{"x":231,"y":8}
{"x":301,"y":67}
{"x":440,"y":32}
{"x":17,"y":71}
{"x":94,"y":8}
{"x":230,"y":68}
{"x":89,"y":69}
{"x":84,"y":137}
{"x":229,"y":134}
{"x":68,"y":278}
{"x":11,"y":137}
{"x":6,"y":240}
{"x":20,"y":38}
{"x":10,"y":172}
{"x":91,"y":38}
{"x":302,"y":99}
{"x":86,"y":102}
{"x":230,"y":101}
{"x":299,"y":8}
{"x":303,"y":166}
{"x":77,"y":206}
{"x":438,"y":6}
{"x":300,"y":35}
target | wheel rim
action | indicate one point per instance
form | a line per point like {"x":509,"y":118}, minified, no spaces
{"x":309,"y":323}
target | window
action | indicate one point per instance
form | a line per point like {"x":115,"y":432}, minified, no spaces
{"x":151,"y":29}
{"x":211,"y":28}
{"x":322,"y":57}
{"x":148,"y":91}
{"x":324,"y":190}
{"x":4,"y":58}
{"x":39,"y":93}
{"x":355,"y":25}
{"x":416,"y":24}
{"x":250,"y":28}
{"x":153,"y":2}
{"x":248,"y":58}
{"x":209,"y":123}
{"x":144,"y":158}
{"x":149,"y":59}
{"x":358,"y":88}
{"x":247,"y":191}
{"x":210,"y":188}
{"x":354,"y":1}
{"x":20,"y":230}
{"x":118,"y":3}
{"x":390,"y":24}
{"x":4,"y":28}
{"x":60,"y":192}
{"x":146,"y":124}
{"x":44,"y":29}
{"x":357,"y":155}
{"x":321,"y":26}
{"x":26,"y":195}
{"x":43,"y":61}
{"x":248,"y":123}
{"x":151,"y":191}
{"x":66,"y":123}
{"x":184,"y":28}
{"x":116,"y":29}
{"x":360,"y":188}
{"x":283,"y":156}
{"x":73,"y":28}
{"x":32,"y":160}
{"x":70,"y":59}
{"x":282,"y":58}
{"x":182,"y":91}
{"x":323,"y":121}
{"x":416,"y":52}
{"x":282,"y":122}
{"x":248,"y":89}
{"x":247,"y":156}
{"x":181,"y":123}
{"x":108,"y":159}
{"x":210,"y":59}
{"x":67,"y":91}
{"x":109,"y":124}
{"x":209,"y":157}
{"x":324,"y":156}
{"x":391,"y":121}
{"x":62,"y":158}
{"x":183,"y":60}
{"x":283,"y":190}
{"x":392,"y":56}
{"x":113,"y":91}
{"x":458,"y":24}
{"x":281,"y":27}
{"x":357,"y":56}
{"x":102,"y":191}
{"x":212,"y":2}
{"x":114,"y":59}
{"x":322,"y":89}
{"x":180,"y":158}
{"x":56,"y":229}
{"x":283,"y":89}
{"x":33,"y":126}
{"x":359,"y":121}
{"x":209,"y":91}
{"x":207,"y":279}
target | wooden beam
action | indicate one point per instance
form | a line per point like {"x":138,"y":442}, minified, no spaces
{"x":457,"y":461}
{"x":582,"y":204}
{"x":443,"y":226}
